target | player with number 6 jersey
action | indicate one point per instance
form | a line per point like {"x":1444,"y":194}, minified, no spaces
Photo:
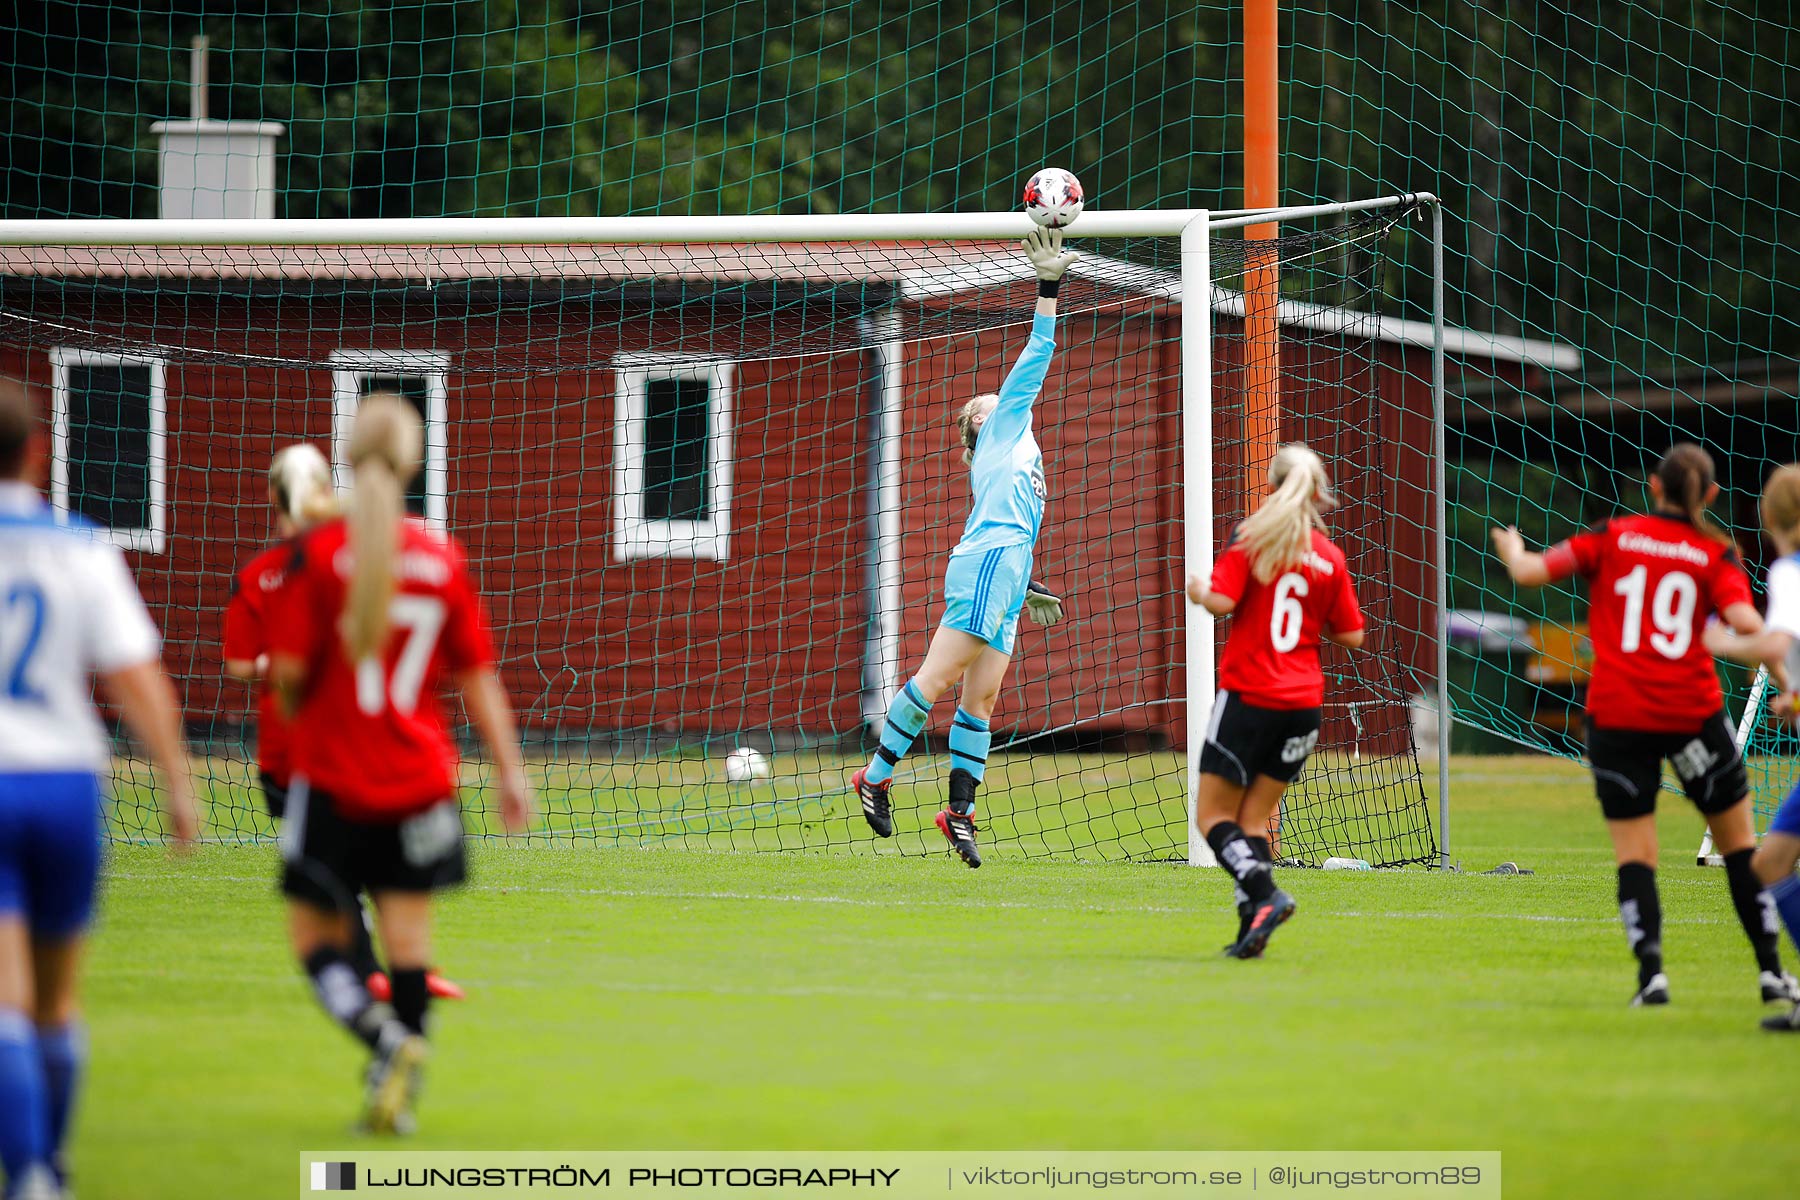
{"x":376,"y":612}
{"x":1654,"y":580}
{"x":1286,"y":588}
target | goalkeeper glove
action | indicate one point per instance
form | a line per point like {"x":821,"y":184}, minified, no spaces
{"x":1044,"y":248}
{"x":1045,"y":608}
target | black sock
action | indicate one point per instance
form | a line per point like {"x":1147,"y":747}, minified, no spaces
{"x":1641,"y":912}
{"x":1757,"y":917}
{"x":1238,"y":858}
{"x":1247,"y":910}
{"x":362,"y":942}
{"x":340,"y":990}
{"x":962,"y":792}
{"x":411,"y":997}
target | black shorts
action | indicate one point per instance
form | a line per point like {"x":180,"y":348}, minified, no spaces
{"x":328,"y":858}
{"x":1245,"y":741}
{"x":1627,"y":766}
{"x":274,"y":795}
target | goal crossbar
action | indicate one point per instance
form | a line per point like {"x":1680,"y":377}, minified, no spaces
{"x":517,"y":231}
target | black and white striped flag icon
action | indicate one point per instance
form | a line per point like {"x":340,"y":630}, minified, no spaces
{"x":333,"y":1177}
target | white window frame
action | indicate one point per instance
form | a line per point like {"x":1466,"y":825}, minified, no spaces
{"x":349,"y":368}
{"x":155,"y":538}
{"x":634,"y":534}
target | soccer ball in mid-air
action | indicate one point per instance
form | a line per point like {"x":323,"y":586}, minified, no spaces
{"x":744,"y":764}
{"x":1053,"y":197}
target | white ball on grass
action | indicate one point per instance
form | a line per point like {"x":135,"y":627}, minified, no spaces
{"x":745,"y":764}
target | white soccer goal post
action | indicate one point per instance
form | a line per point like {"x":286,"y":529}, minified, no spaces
{"x":786,"y":481}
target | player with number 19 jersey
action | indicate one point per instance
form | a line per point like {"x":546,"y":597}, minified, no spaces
{"x":1653,"y":582}
{"x":1272,"y":654}
{"x":373,"y":736}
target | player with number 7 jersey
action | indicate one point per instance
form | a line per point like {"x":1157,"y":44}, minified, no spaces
{"x":373,"y":734}
{"x":375,"y":614}
{"x":1654,"y":580}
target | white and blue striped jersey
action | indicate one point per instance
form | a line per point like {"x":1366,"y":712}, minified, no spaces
{"x":68,"y":608}
{"x":1007,"y":471}
{"x":1784,"y":607}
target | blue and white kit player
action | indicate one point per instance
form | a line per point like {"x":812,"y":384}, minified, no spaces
{"x":988,"y":580}
{"x":69,"y":611}
{"x":1777,"y":647}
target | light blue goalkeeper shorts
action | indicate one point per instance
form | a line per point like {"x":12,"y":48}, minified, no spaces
{"x":984,"y":591}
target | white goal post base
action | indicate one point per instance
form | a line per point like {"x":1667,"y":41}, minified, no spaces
{"x":1704,"y":857}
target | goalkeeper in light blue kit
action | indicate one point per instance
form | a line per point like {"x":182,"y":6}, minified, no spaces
{"x":988,"y":580}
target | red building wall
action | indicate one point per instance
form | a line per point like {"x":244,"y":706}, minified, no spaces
{"x":772,"y":636}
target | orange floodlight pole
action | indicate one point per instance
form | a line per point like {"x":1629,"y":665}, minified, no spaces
{"x":1262,"y":280}
{"x":1262,"y":276}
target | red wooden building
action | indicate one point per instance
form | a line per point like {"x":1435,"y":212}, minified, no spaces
{"x":710,"y":490}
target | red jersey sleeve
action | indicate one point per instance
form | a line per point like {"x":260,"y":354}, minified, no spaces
{"x":297,"y":626}
{"x":1231,"y":572}
{"x":1579,"y":555}
{"x":468,"y":644}
{"x":243,"y":623}
{"x":1346,"y":615}
{"x":1728,"y":584}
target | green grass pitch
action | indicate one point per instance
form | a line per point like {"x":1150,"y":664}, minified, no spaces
{"x":657,"y":999}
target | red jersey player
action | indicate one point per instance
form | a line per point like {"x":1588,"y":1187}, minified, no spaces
{"x":301,"y":492}
{"x":1286,"y":588}
{"x":374,"y":613}
{"x":1653,"y":583}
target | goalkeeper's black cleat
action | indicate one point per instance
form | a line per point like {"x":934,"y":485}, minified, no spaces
{"x":1779,"y":985}
{"x":1787,"y":1022}
{"x":1655,"y":991}
{"x":1264,"y":921}
{"x":876,"y":810}
{"x":960,"y":830}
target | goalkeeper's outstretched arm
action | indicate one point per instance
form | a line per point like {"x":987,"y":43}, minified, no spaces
{"x":1012,"y":409}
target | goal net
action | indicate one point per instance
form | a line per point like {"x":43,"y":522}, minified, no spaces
{"x":708,"y":490}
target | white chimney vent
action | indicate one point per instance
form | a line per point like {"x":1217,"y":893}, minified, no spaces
{"x":215,"y":169}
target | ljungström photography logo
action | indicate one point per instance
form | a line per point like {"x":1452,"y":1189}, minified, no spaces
{"x":334,"y":1177}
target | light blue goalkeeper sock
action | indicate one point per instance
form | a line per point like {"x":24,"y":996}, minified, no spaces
{"x":62,"y":1049}
{"x":905,"y":721}
{"x":24,"y":1132}
{"x":970,"y":738}
{"x":1786,"y":895}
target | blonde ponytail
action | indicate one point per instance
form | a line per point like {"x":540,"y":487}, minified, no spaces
{"x":1279,"y":533}
{"x":1781,"y":505}
{"x":300,"y":485}
{"x":385,"y":443}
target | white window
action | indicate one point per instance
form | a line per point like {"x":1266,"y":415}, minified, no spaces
{"x":109,"y":444}
{"x":671,"y":457}
{"x":418,"y":376}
